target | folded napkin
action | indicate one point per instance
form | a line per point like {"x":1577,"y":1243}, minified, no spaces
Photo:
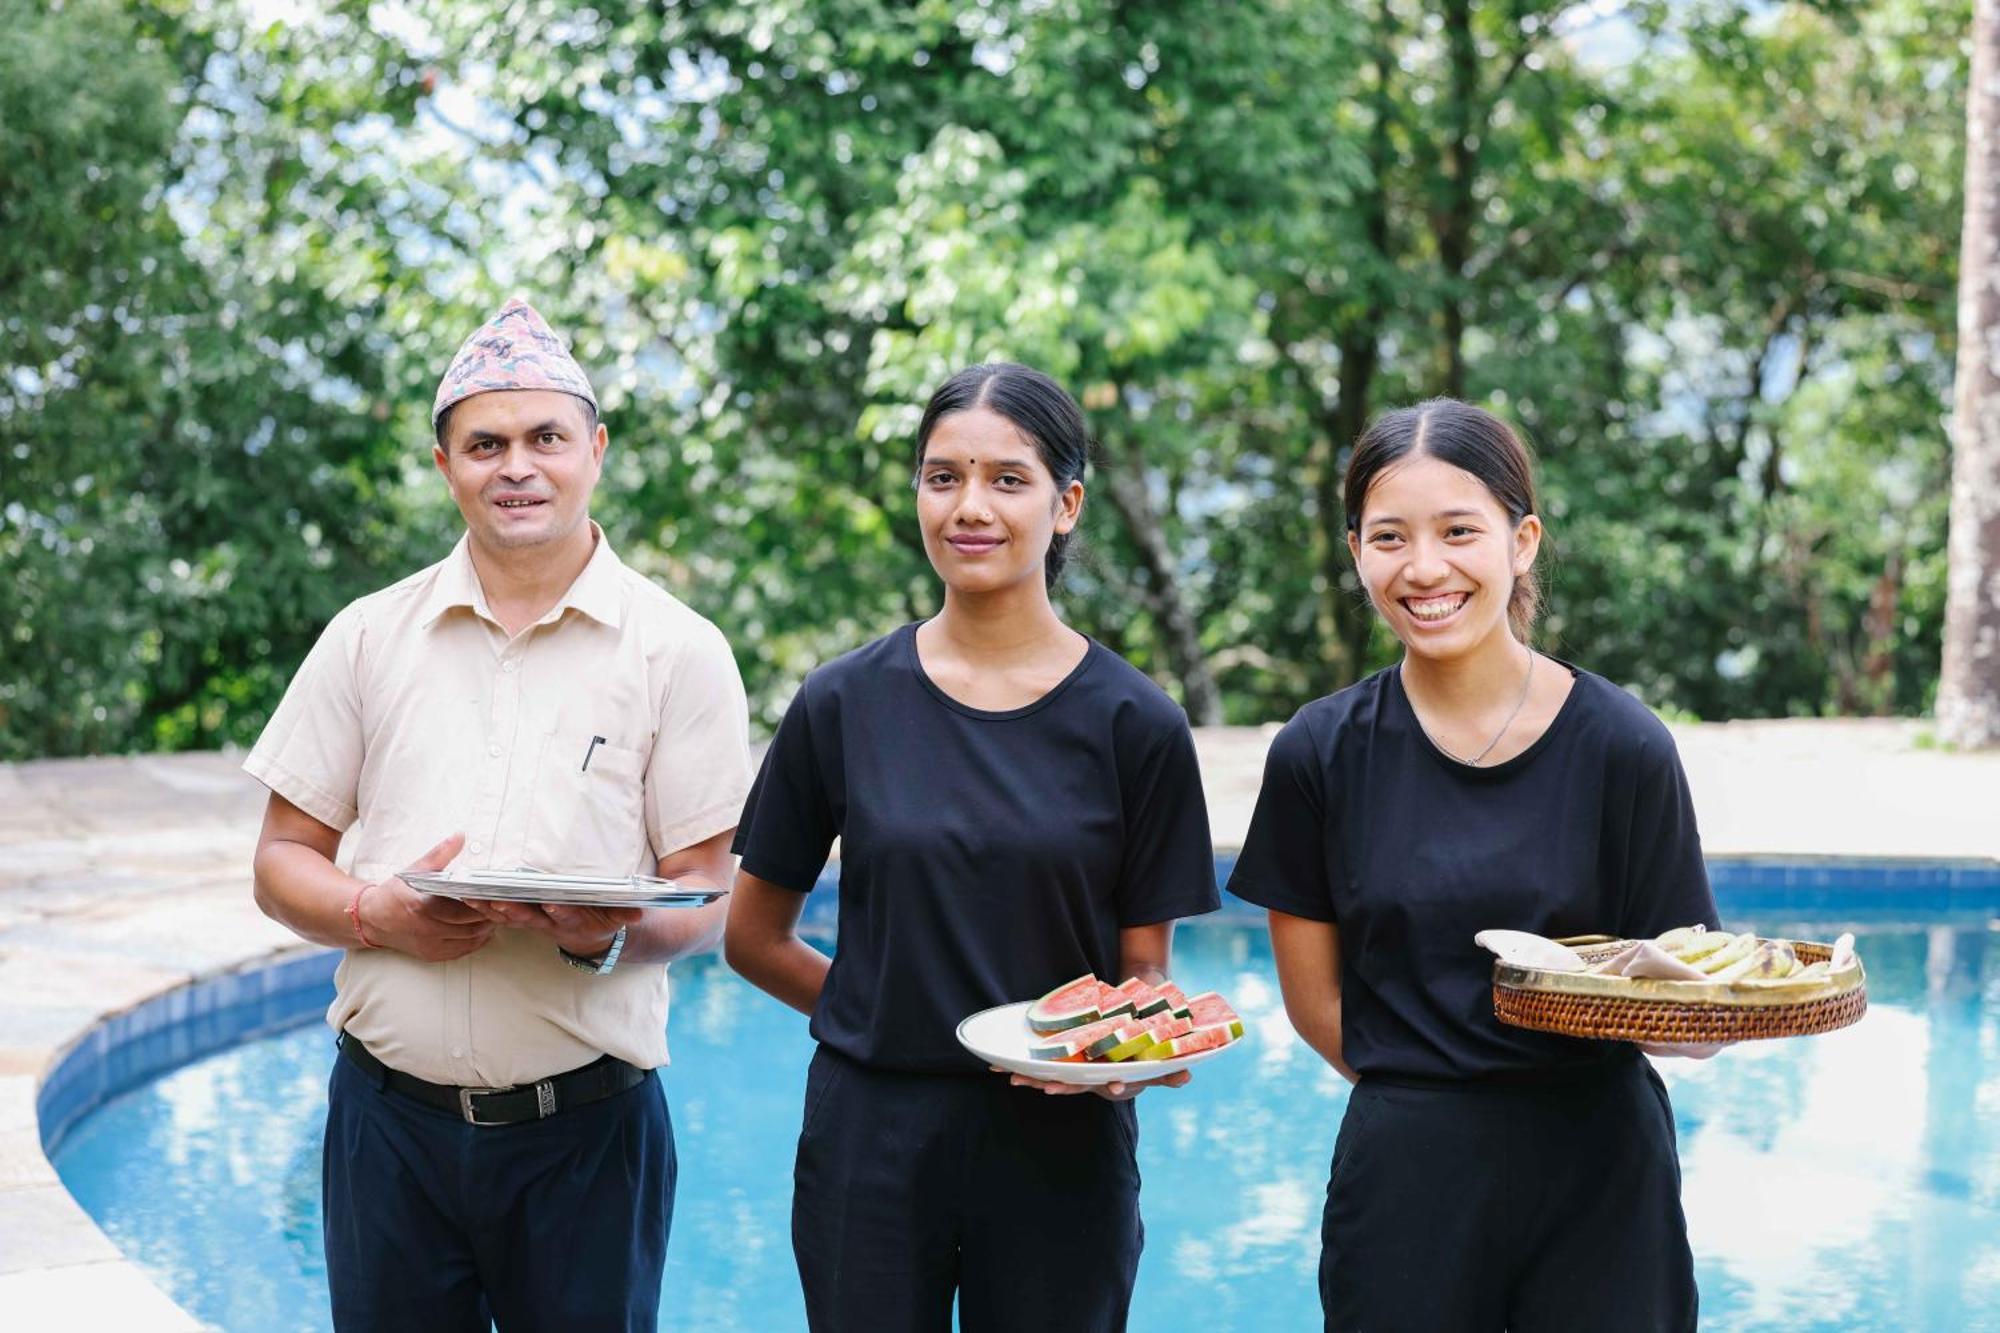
{"x":1525,"y":949}
{"x":1643,"y":958}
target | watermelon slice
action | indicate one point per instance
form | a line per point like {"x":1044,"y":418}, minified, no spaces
{"x":1209,"y":1010}
{"x":1176,"y":1000}
{"x":1188,"y":1043}
{"x":1145,"y":1000}
{"x":1076,"y":1043}
{"x":1142,"y":1034}
{"x":1069,"y":1005}
{"x":1111,"y":1001}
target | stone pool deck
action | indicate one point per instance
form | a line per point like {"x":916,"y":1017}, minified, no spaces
{"x":124,"y":879}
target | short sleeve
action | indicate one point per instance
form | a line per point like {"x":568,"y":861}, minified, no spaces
{"x":700,"y":764}
{"x":1666,"y":879}
{"x":310,"y":751}
{"x":1169,"y":862}
{"x":1283,"y":863}
{"x":787,"y":828}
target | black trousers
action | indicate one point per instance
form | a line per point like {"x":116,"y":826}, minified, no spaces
{"x":912,"y":1186}
{"x":437,"y":1226}
{"x":1550,"y":1205}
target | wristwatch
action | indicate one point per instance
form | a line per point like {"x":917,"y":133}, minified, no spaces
{"x":602,"y":967}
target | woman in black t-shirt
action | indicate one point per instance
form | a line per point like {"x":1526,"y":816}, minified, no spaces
{"x":1485,"y":1177}
{"x":1016,"y":806}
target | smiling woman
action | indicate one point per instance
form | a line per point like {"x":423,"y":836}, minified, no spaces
{"x":1460,"y":791}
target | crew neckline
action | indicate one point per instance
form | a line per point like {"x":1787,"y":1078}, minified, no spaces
{"x":1506,"y":766}
{"x":1091,"y":650}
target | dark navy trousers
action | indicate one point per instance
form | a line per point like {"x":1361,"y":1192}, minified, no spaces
{"x":1552,"y":1205}
{"x":436,"y":1225}
{"x":912,"y":1187}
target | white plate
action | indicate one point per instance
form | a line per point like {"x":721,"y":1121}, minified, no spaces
{"x":537,"y":886}
{"x":1002,"y":1037}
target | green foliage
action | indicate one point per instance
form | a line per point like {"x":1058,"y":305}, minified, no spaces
{"x":198,"y":465}
{"x":1714,"y":283}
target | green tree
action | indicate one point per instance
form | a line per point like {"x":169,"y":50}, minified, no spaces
{"x":199,"y":464}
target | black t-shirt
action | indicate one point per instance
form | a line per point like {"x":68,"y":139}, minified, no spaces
{"x":985,"y":857}
{"x":1362,"y":821}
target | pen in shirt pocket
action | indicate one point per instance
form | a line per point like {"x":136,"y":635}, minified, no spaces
{"x":595,"y":741}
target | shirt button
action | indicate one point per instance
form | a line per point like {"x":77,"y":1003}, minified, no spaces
{"x":507,"y":665}
{"x":458,"y":1052}
{"x":476,"y":848}
{"x":493,"y":750}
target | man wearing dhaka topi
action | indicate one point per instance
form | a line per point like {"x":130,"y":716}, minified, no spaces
{"x":498,"y":1147}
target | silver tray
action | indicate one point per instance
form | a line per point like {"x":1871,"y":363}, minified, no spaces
{"x":541,"y":886}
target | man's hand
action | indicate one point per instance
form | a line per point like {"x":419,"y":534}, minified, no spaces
{"x":584,"y":931}
{"x":395,"y":916}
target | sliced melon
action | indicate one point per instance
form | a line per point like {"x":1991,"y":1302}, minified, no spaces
{"x":1137,"y":1037}
{"x":1076,"y":1043}
{"x":1145,"y":1000}
{"x":1209,"y":1010}
{"x":1111,"y":1001}
{"x":1189,"y":1043}
{"x":1069,"y":1005}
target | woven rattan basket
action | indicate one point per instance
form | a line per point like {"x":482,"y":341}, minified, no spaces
{"x":1581,"y":1004}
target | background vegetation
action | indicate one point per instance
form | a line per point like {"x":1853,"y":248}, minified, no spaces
{"x":1704,"y":252}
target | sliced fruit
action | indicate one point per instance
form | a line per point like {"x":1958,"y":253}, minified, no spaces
{"x":1069,"y":1005}
{"x":1074,"y":1043}
{"x":1137,"y":1037}
{"x":1176,"y":999}
{"x":1208,"y":1010}
{"x":1190,"y":1043}
{"x":1145,"y":1000}
{"x":1111,"y":1001}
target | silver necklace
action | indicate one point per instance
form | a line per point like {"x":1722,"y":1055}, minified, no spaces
{"x":1473,"y":762}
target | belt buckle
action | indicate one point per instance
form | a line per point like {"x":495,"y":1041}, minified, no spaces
{"x":465,"y":1096}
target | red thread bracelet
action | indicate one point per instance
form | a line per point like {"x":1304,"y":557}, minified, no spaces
{"x":354,"y":915}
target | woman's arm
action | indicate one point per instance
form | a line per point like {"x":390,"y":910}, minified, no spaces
{"x":761,"y":943}
{"x":1146,"y":952}
{"x":1308,"y":958}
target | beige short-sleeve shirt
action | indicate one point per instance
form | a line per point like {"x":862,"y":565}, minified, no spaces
{"x":415,"y":717}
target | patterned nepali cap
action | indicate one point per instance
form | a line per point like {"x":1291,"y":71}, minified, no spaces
{"x":516,"y":349}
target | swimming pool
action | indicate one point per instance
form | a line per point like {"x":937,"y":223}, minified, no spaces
{"x":1839,"y":1182}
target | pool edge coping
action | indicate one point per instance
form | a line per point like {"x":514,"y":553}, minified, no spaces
{"x":98,"y":1280}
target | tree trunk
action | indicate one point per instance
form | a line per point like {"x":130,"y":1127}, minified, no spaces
{"x":1344,"y":616}
{"x":1968,"y":703}
{"x":1451,"y":223}
{"x":1344,"y":620}
{"x":1159,"y":587}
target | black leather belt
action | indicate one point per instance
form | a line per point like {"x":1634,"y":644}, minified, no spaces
{"x":604,"y":1077}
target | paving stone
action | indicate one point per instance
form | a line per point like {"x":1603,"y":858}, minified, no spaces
{"x":91,"y":1297}
{"x":40,"y":978}
{"x":41,"y":1226}
{"x":21,"y":1161}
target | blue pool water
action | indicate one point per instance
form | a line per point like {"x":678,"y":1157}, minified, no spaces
{"x":1850,"y":1181}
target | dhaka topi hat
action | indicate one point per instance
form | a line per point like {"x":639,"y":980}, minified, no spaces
{"x":516,"y":349}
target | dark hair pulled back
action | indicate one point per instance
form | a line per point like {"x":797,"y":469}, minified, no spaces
{"x":1468,"y":438}
{"x":1038,"y":407}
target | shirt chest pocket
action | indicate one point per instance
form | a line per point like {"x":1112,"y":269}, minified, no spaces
{"x":587,"y":812}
